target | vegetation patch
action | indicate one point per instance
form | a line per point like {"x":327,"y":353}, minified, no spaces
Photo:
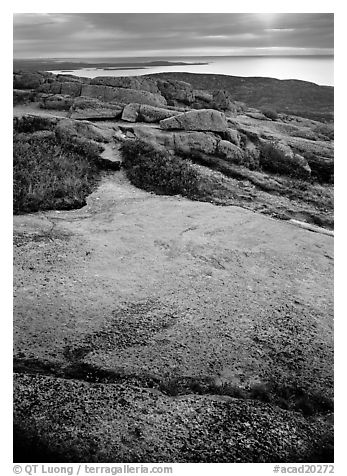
{"x":155,"y":170}
{"x":33,"y":124}
{"x":325,"y":131}
{"x":270,"y":113}
{"x":47,"y":175}
{"x":50,"y":170}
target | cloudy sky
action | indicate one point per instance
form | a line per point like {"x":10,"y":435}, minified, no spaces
{"x":82,"y":35}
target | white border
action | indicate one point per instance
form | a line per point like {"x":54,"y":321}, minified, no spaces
{"x":177,"y":6}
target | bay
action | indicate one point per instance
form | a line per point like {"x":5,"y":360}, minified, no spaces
{"x":315,"y":69}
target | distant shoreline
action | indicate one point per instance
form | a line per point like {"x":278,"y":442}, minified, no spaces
{"x":314,"y":69}
{"x":51,"y":65}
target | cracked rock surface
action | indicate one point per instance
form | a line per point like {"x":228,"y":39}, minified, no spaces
{"x":153,"y":328}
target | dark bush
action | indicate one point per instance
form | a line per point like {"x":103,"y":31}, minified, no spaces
{"x":26,"y":80}
{"x":81,"y":146}
{"x":21,"y":97}
{"x":33,"y":124}
{"x":270,"y":113}
{"x":260,"y":392}
{"x":325,"y":131}
{"x":250,"y":160}
{"x":48,"y":176}
{"x":156,"y":170}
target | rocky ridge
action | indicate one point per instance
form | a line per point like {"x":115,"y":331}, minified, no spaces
{"x":125,"y":98}
{"x":163,"y":328}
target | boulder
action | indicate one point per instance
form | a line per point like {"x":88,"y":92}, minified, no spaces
{"x":134,"y":112}
{"x":176,"y":91}
{"x":256,"y":115}
{"x":70,"y":78}
{"x":232,"y":136}
{"x":131,"y":112}
{"x":68,"y":128}
{"x":93,"y":91}
{"x":230,"y":152}
{"x":27,"y":80}
{"x":223,"y":101}
{"x":322,"y":168}
{"x":185,"y":143}
{"x":249,"y":132}
{"x":128,"y":82}
{"x":202,"y":95}
{"x":156,"y":137}
{"x":56,"y":101}
{"x":122,"y":95}
{"x":195,"y":143}
{"x":90,"y":108}
{"x":302,"y":164}
{"x":71,"y":88}
{"x":197,"y":120}
{"x":284,"y":150}
{"x":155,"y":114}
{"x":279,"y":158}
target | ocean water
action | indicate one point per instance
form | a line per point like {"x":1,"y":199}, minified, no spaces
{"x":316,"y":69}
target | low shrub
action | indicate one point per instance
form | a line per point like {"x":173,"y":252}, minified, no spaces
{"x":22,"y":97}
{"x":270,"y":113}
{"x":156,"y":170}
{"x":81,"y":146}
{"x":250,"y":159}
{"x":33,"y":124}
{"x":47,"y":175}
{"x":325,"y":131}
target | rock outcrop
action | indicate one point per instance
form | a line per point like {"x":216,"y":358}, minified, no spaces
{"x":232,"y":135}
{"x":90,"y":108}
{"x":134,"y":112}
{"x":202,"y":95}
{"x":176,"y":91}
{"x":223,"y":101}
{"x":131,"y":112}
{"x":71,"y":88}
{"x":122,"y":95}
{"x":155,"y":114}
{"x":128,"y":82}
{"x":79,"y":129}
{"x":279,"y":157}
{"x":230,"y":151}
{"x":177,"y":106}
{"x":58,"y":102}
{"x":199,"y":120}
{"x":194,"y":143}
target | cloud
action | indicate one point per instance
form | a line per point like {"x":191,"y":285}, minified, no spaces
{"x":171,"y":34}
